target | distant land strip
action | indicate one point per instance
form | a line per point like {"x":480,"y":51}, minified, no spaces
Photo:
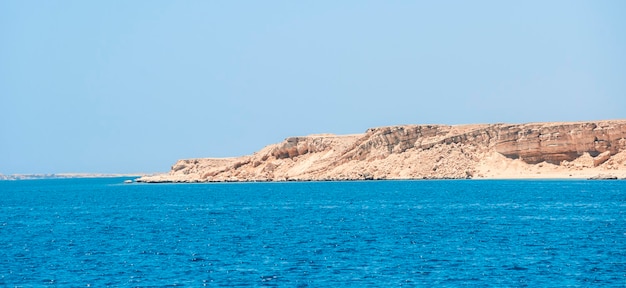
{"x":70,"y":175}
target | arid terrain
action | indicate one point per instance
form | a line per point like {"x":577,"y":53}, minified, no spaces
{"x":594,"y":149}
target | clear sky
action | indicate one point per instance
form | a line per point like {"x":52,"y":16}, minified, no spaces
{"x":132,"y":86}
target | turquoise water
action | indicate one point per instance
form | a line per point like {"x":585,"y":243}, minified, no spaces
{"x":99,"y":232}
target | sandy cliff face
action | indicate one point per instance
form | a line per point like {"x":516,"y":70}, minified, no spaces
{"x":554,"y":143}
{"x":544,"y":150}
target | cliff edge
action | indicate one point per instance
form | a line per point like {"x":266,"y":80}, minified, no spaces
{"x":532,"y":150}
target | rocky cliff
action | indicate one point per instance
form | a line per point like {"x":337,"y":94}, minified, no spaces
{"x":545,"y":150}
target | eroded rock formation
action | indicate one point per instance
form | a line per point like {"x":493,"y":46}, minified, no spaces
{"x":425,"y":152}
{"x":554,"y":143}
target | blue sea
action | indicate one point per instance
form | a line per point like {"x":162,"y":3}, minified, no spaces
{"x":101,"y":232}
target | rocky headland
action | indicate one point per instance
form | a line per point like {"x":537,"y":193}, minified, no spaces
{"x":533,"y":150}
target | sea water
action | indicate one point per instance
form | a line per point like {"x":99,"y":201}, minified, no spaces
{"x":100,"y":232}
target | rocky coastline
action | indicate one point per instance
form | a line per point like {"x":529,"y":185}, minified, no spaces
{"x":594,"y":149}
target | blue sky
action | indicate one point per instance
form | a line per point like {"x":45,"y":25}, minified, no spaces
{"x":132,"y":86}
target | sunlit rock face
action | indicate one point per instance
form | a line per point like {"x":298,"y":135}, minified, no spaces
{"x":554,"y":143}
{"x":424,"y":152}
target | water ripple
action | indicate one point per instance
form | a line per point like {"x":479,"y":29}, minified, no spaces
{"x":392,"y":233}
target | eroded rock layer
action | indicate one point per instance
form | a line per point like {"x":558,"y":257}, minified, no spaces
{"x":547,"y":150}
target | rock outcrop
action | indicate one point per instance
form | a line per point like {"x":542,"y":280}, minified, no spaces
{"x":554,"y":143}
{"x":546,"y":150}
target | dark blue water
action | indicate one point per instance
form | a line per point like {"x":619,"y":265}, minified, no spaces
{"x":98,"y":232}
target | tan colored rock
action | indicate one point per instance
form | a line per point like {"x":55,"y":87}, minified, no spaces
{"x":534,"y":150}
{"x":556,"y":142}
{"x":603,"y":157}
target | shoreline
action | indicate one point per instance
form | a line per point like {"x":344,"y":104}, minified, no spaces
{"x":12,"y":177}
{"x":155,"y":179}
{"x":601,"y":176}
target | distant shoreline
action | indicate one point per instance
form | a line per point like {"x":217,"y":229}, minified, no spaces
{"x":135,"y":177}
{"x":549,"y":178}
{"x":71,"y":175}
